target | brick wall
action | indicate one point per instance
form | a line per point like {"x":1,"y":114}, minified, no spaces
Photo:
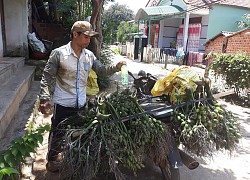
{"x":50,"y":31}
{"x":216,"y":45}
{"x":240,"y":42}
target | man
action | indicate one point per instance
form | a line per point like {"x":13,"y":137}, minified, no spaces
{"x":64,"y":82}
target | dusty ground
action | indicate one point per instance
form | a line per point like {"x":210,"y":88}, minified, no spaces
{"x":221,"y":166}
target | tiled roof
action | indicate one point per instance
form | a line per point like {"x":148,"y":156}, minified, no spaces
{"x":222,"y":33}
{"x":239,"y":3}
{"x":227,"y":34}
{"x":246,"y":29}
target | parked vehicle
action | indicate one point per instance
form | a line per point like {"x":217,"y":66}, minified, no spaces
{"x":161,"y":110}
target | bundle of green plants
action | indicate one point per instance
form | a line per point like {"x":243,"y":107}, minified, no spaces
{"x":203,"y":126}
{"x":113,"y":133}
{"x":106,"y":55}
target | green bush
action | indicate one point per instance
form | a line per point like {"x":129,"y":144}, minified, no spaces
{"x":18,"y":150}
{"x":117,"y":50}
{"x":235,"y":68}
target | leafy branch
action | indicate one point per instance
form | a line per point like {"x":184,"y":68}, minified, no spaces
{"x":245,"y":22}
{"x":19,"y":149}
{"x":234,"y":67}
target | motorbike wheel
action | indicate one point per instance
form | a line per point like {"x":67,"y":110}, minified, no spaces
{"x":170,"y":174}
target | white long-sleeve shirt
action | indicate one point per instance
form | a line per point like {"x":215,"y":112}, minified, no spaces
{"x":65,"y":76}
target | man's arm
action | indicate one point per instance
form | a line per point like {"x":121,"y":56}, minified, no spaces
{"x":48,"y":81}
{"x":103,"y":70}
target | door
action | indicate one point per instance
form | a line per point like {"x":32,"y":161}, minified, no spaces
{"x":3,"y":26}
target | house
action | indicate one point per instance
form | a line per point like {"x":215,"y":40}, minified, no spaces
{"x":18,"y":18}
{"x":189,"y":23}
{"x":229,"y":42}
{"x":15,"y":16}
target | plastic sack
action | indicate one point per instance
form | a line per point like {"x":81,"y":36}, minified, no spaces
{"x":165,"y":85}
{"x":35,"y":43}
{"x":176,"y":83}
{"x":92,"y":85}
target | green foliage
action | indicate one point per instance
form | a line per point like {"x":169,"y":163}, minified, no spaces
{"x":111,"y":20}
{"x":245,"y":22}
{"x":98,"y":141}
{"x":117,"y":50}
{"x":124,"y":29}
{"x":7,"y":171}
{"x":106,"y":54}
{"x":70,"y":11}
{"x":19,"y":149}
{"x":234,"y":67}
{"x":173,"y":44}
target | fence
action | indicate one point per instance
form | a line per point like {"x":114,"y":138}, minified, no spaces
{"x":130,"y":50}
{"x":161,"y":55}
{"x":153,"y":55}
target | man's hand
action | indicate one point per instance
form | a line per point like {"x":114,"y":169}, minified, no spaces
{"x":119,"y":64}
{"x":45,"y":107}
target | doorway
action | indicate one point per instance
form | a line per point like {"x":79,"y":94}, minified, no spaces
{"x":3,"y":26}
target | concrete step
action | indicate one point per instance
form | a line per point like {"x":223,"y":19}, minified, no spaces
{"x":12,"y":93}
{"x":17,"y":126}
{"x":8,"y":66}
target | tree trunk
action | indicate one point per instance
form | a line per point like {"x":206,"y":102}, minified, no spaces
{"x":80,"y":9}
{"x":95,"y":44}
{"x":41,"y":10}
{"x":52,"y":10}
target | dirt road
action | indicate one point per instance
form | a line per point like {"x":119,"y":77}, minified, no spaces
{"x":221,"y":166}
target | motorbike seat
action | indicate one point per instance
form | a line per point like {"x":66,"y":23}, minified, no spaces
{"x":158,"y":110}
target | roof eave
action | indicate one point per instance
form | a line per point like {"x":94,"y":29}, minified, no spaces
{"x":160,"y":12}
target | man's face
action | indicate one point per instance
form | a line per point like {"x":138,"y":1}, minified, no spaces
{"x":82,"y":39}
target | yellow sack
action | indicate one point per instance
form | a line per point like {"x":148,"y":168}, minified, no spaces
{"x":165,"y":85}
{"x":176,"y":83}
{"x":92,"y":85}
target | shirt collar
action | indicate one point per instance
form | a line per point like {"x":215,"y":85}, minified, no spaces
{"x":70,"y":50}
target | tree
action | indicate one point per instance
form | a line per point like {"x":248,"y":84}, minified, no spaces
{"x":245,"y":22}
{"x":95,"y":45}
{"x":73,"y":10}
{"x":97,"y":11}
{"x":112,"y":17}
{"x":52,"y":10}
{"x":69,"y":11}
{"x":124,"y":30}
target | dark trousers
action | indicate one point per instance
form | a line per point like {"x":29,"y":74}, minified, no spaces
{"x":56,"y":135}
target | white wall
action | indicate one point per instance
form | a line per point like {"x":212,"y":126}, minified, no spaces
{"x":168,"y":31}
{"x":203,"y":36}
{"x":16,"y":26}
{"x":170,"y":27}
{"x":1,"y":38}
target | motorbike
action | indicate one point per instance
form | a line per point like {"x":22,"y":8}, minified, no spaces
{"x":158,"y":108}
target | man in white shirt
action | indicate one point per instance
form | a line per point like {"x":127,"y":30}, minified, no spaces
{"x":64,"y":82}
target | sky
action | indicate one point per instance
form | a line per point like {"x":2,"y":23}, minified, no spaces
{"x":134,"y":5}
